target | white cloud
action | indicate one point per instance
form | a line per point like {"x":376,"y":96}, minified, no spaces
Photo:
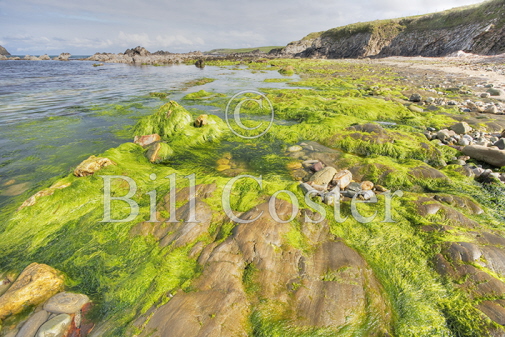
{"x":85,"y":27}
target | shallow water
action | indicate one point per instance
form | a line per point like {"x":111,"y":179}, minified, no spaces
{"x":54,"y":114}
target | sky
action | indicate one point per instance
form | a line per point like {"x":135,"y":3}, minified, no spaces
{"x":84,"y":27}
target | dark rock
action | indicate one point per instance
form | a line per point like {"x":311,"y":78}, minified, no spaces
{"x":4,"y":51}
{"x":200,"y":63}
{"x":500,"y":144}
{"x":415,"y":98}
{"x":137,"y":51}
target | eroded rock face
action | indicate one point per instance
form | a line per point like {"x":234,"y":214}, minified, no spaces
{"x":329,"y":287}
{"x":92,"y":165}
{"x":35,"y":284}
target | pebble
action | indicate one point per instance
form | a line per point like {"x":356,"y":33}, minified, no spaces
{"x":55,"y":327}
{"x":295,"y":148}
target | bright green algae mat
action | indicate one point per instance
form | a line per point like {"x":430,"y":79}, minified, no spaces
{"x":126,"y":275}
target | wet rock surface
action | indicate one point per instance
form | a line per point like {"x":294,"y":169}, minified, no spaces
{"x":334,"y":270}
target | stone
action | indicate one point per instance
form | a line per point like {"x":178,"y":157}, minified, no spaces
{"x":294,"y":165}
{"x":200,"y":63}
{"x":453,"y":103}
{"x":342,"y":179}
{"x":500,"y":144}
{"x":92,"y":165}
{"x":66,"y":303}
{"x":380,"y":188}
{"x":32,"y":325}
{"x":461,"y":128}
{"x":474,"y":108}
{"x":367,"y":185}
{"x":323,"y":177}
{"x":488,"y":155}
{"x":491,"y":109}
{"x":415,"y":108}
{"x":494,"y":92}
{"x":35,"y":285}
{"x":430,"y":100}
{"x":295,"y":148}
{"x":443,"y":135}
{"x":485,"y":95}
{"x":55,"y":327}
{"x":223,"y":167}
{"x":415,"y":98}
{"x":147,"y":139}
{"x":317,"y":167}
{"x":202,"y":120}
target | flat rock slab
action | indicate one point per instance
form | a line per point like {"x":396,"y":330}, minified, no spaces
{"x":33,"y":324}
{"x":488,"y":155}
{"x":66,"y":303}
{"x":55,"y":327}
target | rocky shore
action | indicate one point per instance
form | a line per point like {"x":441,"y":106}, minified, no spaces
{"x":428,"y":261}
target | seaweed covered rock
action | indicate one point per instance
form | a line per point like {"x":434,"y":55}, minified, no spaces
{"x":170,"y":119}
{"x":146,"y":139}
{"x":92,"y":165}
{"x":158,"y":152}
{"x":35,"y":284}
{"x":255,"y":269}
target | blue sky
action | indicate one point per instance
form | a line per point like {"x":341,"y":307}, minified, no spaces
{"x":85,"y":27}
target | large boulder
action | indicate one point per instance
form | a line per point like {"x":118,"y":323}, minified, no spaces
{"x":488,"y":155}
{"x":36,"y":284}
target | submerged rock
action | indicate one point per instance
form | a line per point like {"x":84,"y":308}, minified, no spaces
{"x":35,"y":284}
{"x":92,"y":165}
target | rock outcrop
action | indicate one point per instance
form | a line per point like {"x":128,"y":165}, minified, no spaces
{"x":4,"y":51}
{"x":331,"y":287}
{"x":140,"y":55}
{"x":475,"y":29}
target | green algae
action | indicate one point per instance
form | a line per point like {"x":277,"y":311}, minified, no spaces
{"x":127,"y":275}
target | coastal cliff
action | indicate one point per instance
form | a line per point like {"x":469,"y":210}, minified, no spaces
{"x":478,"y":29}
{"x":4,"y":51}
